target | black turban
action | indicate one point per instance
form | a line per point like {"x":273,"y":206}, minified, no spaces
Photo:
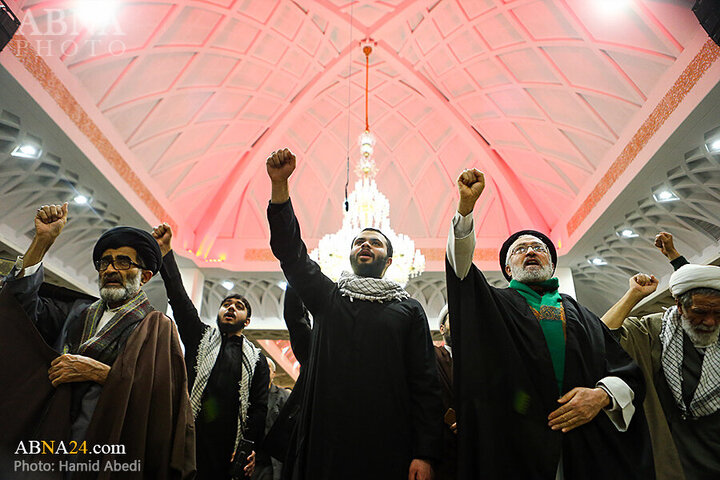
{"x":145,"y":244}
{"x":543,"y":238}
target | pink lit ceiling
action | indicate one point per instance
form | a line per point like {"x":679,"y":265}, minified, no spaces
{"x":541,"y":95}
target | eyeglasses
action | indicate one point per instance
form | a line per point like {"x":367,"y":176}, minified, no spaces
{"x":536,"y":247}
{"x":121,"y":262}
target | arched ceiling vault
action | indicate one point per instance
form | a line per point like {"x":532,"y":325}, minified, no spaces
{"x":542,"y":95}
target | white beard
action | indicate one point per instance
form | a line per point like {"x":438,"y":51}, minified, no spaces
{"x":130,"y":288}
{"x":523,"y":275}
{"x":699,"y":339}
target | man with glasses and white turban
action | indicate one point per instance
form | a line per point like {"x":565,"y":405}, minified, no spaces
{"x":543,"y":390}
{"x":679,"y":354}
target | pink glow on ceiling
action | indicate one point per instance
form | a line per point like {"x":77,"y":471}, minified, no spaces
{"x":533,"y":92}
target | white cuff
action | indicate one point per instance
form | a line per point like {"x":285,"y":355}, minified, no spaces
{"x":28,"y":271}
{"x":621,"y":409}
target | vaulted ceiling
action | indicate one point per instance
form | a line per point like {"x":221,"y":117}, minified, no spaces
{"x":178,"y":103}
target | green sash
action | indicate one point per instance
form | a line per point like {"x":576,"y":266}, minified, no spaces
{"x":548,"y":309}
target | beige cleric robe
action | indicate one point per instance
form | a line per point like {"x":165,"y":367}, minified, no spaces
{"x":641,"y":339}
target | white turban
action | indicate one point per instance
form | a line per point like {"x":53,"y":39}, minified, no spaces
{"x":692,"y":276}
{"x":443,"y":312}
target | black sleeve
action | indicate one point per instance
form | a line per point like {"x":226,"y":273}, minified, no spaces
{"x":190,"y":327}
{"x":301,"y":272}
{"x":425,"y":400}
{"x":679,"y":262}
{"x":48,"y":314}
{"x":618,"y":362}
{"x":257,"y":410}
{"x":298,"y":324}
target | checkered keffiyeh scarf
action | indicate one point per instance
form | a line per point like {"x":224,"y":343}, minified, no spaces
{"x":706,"y":399}
{"x":104,"y":345}
{"x":370,"y":289}
{"x":207,"y":355}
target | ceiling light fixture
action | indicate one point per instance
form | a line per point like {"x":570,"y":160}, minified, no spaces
{"x":665,"y":195}
{"x":627,"y":233}
{"x":714,"y":146}
{"x":367,"y":207}
{"x":95,"y":14}
{"x":227,"y":284}
{"x":81,"y":200}
{"x":282,"y":285}
{"x":612,"y":6}
{"x":598,"y":261}
{"x":27,"y":150}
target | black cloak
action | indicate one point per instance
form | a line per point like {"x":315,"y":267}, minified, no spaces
{"x":505,"y":388}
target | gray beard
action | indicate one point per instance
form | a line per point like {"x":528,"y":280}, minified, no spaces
{"x":130,"y":288}
{"x":522,"y":275}
{"x":699,"y":339}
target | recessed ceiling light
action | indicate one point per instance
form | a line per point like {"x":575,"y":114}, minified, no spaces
{"x":627,"y":233}
{"x":27,"y":150}
{"x":612,"y":6}
{"x":227,"y":284}
{"x":597,"y":261}
{"x":282,"y":285}
{"x":665,"y":195}
{"x":95,"y":14}
{"x":80,"y":199}
{"x":713,"y":146}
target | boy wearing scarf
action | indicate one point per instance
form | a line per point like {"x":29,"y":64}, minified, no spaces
{"x":543,"y":390}
{"x":371,"y":406}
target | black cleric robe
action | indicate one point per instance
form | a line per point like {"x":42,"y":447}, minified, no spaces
{"x":371,"y":401}
{"x":279,"y":441}
{"x":217,"y":421}
{"x":505,"y":388}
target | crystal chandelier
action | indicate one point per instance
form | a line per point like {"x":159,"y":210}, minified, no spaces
{"x":367,"y":207}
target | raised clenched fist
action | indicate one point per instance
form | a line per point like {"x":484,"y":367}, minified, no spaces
{"x":50,"y":220}
{"x":471,"y":184}
{"x":163,"y":236}
{"x":643,"y":284}
{"x":280,"y":165}
{"x":664,"y":242}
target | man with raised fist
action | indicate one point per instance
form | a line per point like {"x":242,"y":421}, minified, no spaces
{"x":543,"y":389}
{"x":227,"y":374}
{"x":679,"y":352}
{"x":116,"y":374}
{"x":371,"y":406}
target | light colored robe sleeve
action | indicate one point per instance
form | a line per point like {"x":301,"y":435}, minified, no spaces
{"x":621,"y":408}
{"x":461,"y":244}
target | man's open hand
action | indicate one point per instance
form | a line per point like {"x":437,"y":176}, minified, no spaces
{"x":250,"y":467}
{"x":50,"y":220}
{"x":471,"y":184}
{"x":664,"y":242}
{"x":163,"y":235}
{"x":581,"y":405}
{"x":420,"y":470}
{"x":77,"y":368}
